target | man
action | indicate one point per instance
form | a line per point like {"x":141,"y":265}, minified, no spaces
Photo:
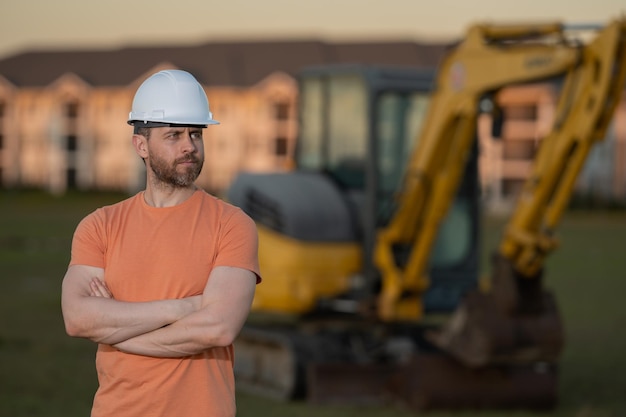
{"x":163,"y":281}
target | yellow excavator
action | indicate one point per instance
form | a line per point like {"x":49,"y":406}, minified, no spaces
{"x":369,"y":248}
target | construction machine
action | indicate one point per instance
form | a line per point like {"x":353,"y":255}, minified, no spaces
{"x":369,"y":248}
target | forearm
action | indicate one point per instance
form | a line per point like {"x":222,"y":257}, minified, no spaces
{"x":188,"y":336}
{"x":91,"y":312}
{"x":225,"y":305}
{"x":109,"y":321}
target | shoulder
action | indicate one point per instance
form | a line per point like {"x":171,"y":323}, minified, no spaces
{"x":120,"y":207}
{"x":226,"y":214}
{"x":104,"y":214}
{"x":222,"y":207}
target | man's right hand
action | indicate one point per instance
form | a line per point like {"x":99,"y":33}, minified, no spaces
{"x":99,"y":289}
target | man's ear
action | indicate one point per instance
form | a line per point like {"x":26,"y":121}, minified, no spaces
{"x":141,"y":145}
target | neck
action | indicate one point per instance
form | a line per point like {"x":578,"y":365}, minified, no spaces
{"x":165,"y":195}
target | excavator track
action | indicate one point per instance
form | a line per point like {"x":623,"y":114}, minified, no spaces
{"x":319,"y":361}
{"x":323,"y":367}
{"x":266,"y":363}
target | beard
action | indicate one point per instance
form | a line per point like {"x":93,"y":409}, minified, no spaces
{"x":167,"y":173}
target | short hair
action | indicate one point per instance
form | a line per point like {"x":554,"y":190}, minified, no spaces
{"x":143,"y":131}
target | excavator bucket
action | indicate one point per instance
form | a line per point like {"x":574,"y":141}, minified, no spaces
{"x":500,"y":351}
{"x":517,"y":321}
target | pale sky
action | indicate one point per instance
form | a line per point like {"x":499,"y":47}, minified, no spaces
{"x":61,"y":24}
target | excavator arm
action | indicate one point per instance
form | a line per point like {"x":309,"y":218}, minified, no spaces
{"x":592,"y":90}
{"x":490,"y":58}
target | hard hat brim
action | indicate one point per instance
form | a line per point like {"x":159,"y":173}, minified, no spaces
{"x":141,"y":123}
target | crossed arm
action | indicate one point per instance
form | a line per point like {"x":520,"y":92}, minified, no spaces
{"x":162,"y":328}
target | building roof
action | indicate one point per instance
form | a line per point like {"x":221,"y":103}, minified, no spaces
{"x":217,"y":63}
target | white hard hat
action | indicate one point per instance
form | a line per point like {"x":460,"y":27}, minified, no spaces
{"x":170,"y":97}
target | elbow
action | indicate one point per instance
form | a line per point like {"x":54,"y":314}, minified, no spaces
{"x":72,"y":329}
{"x":75,"y":328}
{"x":71,"y":319}
{"x":223,"y":338}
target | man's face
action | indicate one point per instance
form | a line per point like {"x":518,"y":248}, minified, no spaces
{"x":176,"y":155}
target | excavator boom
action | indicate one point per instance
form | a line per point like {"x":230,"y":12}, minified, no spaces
{"x":518,"y":319}
{"x":490,"y":58}
{"x":591,"y":93}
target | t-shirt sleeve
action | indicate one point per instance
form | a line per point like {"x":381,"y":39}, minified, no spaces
{"x":88,"y":242}
{"x":239,"y":244}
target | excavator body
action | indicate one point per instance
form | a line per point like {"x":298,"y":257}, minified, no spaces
{"x":369,"y":248}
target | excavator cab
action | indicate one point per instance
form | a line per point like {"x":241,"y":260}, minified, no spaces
{"x":358,"y":127}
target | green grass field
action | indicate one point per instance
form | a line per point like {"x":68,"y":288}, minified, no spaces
{"x":43,"y":372}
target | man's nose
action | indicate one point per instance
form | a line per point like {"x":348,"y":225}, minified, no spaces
{"x":189,"y":145}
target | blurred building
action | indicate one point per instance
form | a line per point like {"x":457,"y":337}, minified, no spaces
{"x":63,"y":115}
{"x":529,"y":113}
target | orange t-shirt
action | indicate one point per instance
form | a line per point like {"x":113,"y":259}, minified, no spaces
{"x":153,"y":253}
